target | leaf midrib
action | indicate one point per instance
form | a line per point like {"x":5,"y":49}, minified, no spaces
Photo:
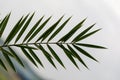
{"x":6,"y":45}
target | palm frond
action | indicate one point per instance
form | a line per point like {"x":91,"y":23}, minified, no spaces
{"x":28,"y":47}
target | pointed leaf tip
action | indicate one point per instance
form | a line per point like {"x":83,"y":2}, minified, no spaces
{"x":77,"y":56}
{"x":85,"y":53}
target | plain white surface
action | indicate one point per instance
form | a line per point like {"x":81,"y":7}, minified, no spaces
{"x":106,"y":13}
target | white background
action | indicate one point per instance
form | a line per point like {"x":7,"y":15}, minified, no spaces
{"x":106,"y":13}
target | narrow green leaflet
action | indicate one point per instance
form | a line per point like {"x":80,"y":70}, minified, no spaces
{"x":28,"y":56}
{"x":41,"y":48}
{"x":90,"y":45}
{"x":59,"y":29}
{"x":47,"y":55}
{"x":48,"y":31}
{"x":3,"y":24}
{"x":35,"y":57}
{"x":84,"y":53}
{"x":27,"y":47}
{"x":9,"y":60}
{"x":68,"y":53}
{"x":15,"y":56}
{"x":16,"y":29}
{"x":39,"y":29}
{"x":6,"y":52}
{"x":3,"y":65}
{"x":24,"y":28}
{"x":82,"y":33}
{"x":89,"y":34}
{"x":55,"y":55}
{"x":13,"y":32}
{"x":33,"y":29}
{"x":76,"y":55}
{"x":68,"y":35}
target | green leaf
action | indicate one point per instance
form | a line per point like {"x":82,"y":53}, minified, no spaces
{"x":68,"y":53}
{"x":33,"y":29}
{"x":16,"y":29}
{"x":84,"y":53}
{"x":13,"y":32}
{"x":24,"y":28}
{"x":49,"y":30}
{"x":89,"y":34}
{"x":3,"y":65}
{"x":35,"y":57}
{"x":76,"y":55}
{"x":59,"y":29}
{"x":6,"y":52}
{"x":39,"y":29}
{"x":15,"y":56}
{"x":55,"y":55}
{"x":82,"y":33}
{"x":4,"y":23}
{"x":68,"y":35}
{"x":8,"y":60}
{"x":27,"y":47}
{"x":47,"y":55}
{"x":90,"y":45}
{"x":28,"y":56}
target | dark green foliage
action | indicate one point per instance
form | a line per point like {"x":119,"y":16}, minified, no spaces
{"x":35,"y":57}
{"x":24,"y":28}
{"x":2,"y":64}
{"x":39,"y":29}
{"x":47,"y":55}
{"x":76,"y":55}
{"x":3,"y":24}
{"x":28,"y":56}
{"x":16,"y":56}
{"x":55,"y":55}
{"x":68,"y":35}
{"x":69,"y":55}
{"x":28,"y":47}
{"x":7,"y":57}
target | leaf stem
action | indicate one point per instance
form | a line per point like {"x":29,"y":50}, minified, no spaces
{"x":6,"y":45}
